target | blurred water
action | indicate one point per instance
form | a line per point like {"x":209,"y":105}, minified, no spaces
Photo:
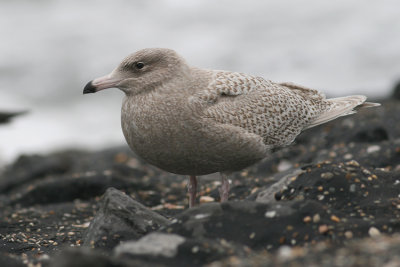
{"x":50,"y":49}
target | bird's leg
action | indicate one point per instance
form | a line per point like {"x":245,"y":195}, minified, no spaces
{"x":192,"y":190}
{"x":224,"y":189}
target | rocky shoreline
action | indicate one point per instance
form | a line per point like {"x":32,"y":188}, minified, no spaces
{"x":331,"y":199}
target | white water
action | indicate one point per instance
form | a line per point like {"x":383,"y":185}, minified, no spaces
{"x":50,"y":49}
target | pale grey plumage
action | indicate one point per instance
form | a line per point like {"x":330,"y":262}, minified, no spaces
{"x":193,"y":121}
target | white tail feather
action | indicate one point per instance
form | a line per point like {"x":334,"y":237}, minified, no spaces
{"x":342,"y":106}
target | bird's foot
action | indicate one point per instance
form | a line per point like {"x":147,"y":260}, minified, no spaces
{"x":192,"y":190}
{"x":224,"y":189}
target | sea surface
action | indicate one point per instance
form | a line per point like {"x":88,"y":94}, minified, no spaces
{"x":50,"y":49}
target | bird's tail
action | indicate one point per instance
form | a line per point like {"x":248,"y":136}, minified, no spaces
{"x":342,"y":106}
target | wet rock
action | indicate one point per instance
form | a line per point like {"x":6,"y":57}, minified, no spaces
{"x":55,"y":190}
{"x":80,"y":258}
{"x":367,"y":252}
{"x":85,"y":257}
{"x":153,"y":244}
{"x":7,"y":261}
{"x":175,"y":250}
{"x":30,"y":168}
{"x":120,"y":218}
{"x":252,"y":224}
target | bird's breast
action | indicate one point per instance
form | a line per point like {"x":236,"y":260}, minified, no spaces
{"x":157,"y":130}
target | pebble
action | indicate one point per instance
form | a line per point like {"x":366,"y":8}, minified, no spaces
{"x":284,"y":165}
{"x":374,"y":232}
{"x":353,"y":163}
{"x":307,"y":219}
{"x":316,"y":218}
{"x":348,"y":156}
{"x":327,"y":175}
{"x":270,"y":214}
{"x":348,"y":234}
{"x":372,"y":149}
{"x":322,"y":229}
{"x":352,"y":188}
{"x":285,"y":253}
{"x":206,"y":199}
{"x":335,"y":218}
{"x":195,"y":249}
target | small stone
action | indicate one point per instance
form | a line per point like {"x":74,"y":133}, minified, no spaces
{"x":206,"y":199}
{"x":252,"y":235}
{"x":348,"y":234}
{"x":195,"y":249}
{"x":335,"y":218}
{"x":374,"y":232}
{"x":270,"y":214}
{"x":316,"y":218}
{"x":153,"y":244}
{"x":284,"y":165}
{"x":332,"y":154}
{"x":353,"y":163}
{"x":322,"y":229}
{"x":352,"y":188}
{"x":285,"y":253}
{"x":201,"y":216}
{"x":307,"y":219}
{"x":348,"y":156}
{"x":326,"y":175}
{"x":372,"y":149}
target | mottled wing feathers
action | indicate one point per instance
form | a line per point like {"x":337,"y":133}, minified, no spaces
{"x":306,"y":92}
{"x":273,"y":111}
{"x":224,"y":83}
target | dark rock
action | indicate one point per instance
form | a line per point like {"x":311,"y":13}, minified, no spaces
{"x":370,"y":135}
{"x":367,"y":252}
{"x":252,"y":224}
{"x":27,"y":169}
{"x":120,"y":218}
{"x":7,"y":116}
{"x":349,"y":188}
{"x":396,"y":91}
{"x":60,"y":189}
{"x":85,"y":257}
{"x":175,"y":250}
{"x":7,"y":261}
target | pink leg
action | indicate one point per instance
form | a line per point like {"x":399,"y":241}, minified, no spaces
{"x":224,"y":189}
{"x":192,"y":190}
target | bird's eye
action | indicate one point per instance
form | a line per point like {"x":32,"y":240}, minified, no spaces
{"x":139,"y":65}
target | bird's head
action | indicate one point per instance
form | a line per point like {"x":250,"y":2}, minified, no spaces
{"x":141,"y":71}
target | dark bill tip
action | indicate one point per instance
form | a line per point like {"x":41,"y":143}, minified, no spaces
{"x":89,"y":88}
